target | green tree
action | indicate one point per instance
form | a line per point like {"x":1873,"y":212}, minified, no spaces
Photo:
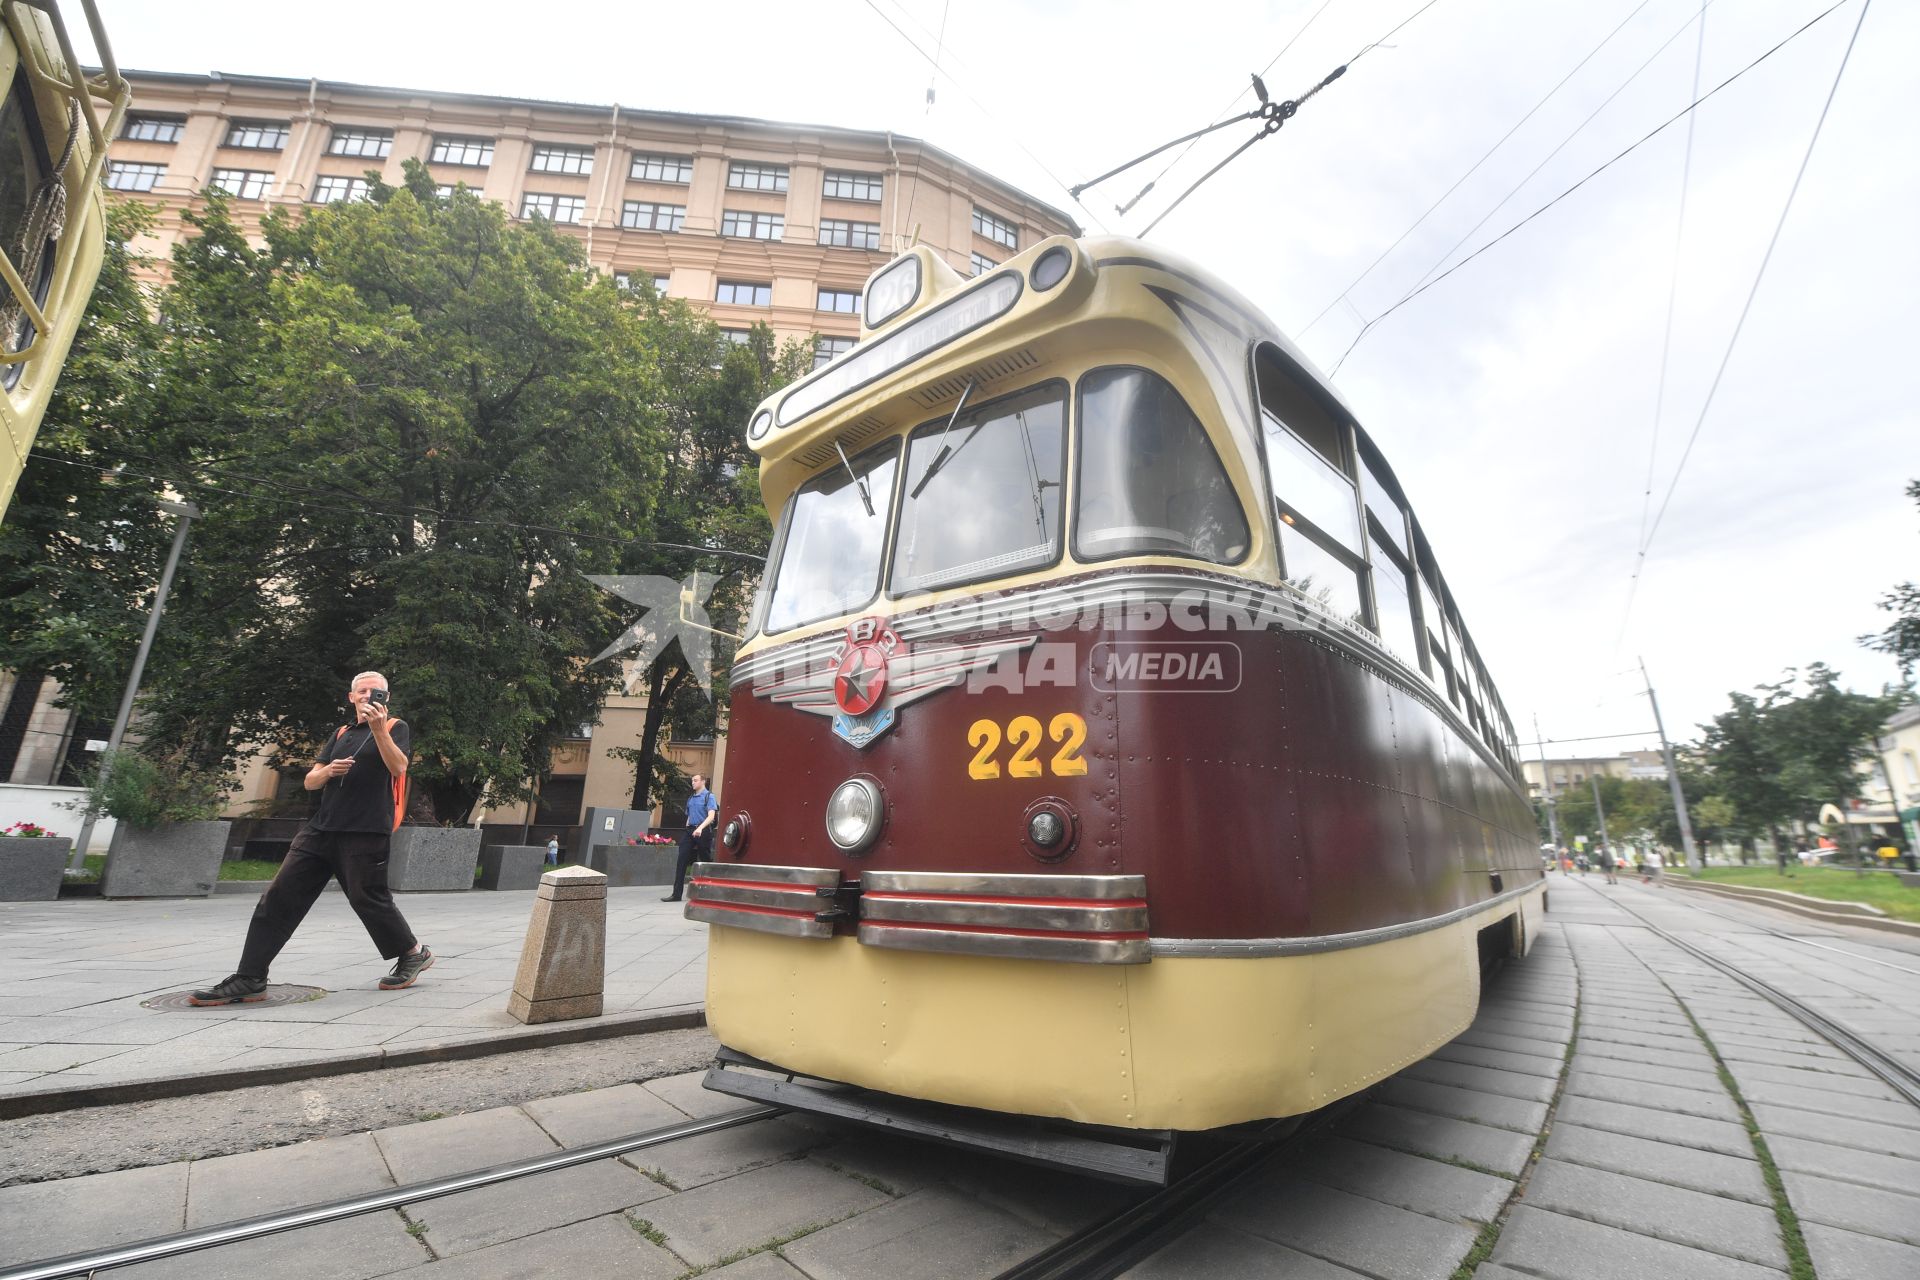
{"x":81,"y":545}
{"x":435,"y":422}
{"x":1902,"y":637}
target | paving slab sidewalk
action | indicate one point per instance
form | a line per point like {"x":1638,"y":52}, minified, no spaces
{"x":78,"y":970}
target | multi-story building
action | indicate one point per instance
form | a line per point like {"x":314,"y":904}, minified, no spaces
{"x":755,"y":220}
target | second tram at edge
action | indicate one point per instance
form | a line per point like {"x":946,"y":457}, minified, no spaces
{"x":1105,"y":745}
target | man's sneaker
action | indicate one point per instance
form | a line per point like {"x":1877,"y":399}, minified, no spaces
{"x":407,"y":968}
{"x":238,"y":989}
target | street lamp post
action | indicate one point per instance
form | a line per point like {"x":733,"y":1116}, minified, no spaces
{"x":186,"y":511}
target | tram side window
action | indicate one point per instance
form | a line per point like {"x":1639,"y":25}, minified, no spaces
{"x":1320,"y":534}
{"x":1395,"y":606}
{"x":1381,"y":504}
{"x":983,"y":493}
{"x":22,"y":169}
{"x":1148,"y":480}
{"x":830,"y":559}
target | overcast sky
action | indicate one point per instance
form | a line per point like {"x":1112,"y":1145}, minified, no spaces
{"x":1516,"y":399}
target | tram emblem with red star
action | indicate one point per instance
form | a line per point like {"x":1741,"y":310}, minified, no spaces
{"x":863,"y":683}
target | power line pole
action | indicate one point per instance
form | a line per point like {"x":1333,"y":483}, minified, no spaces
{"x":186,"y":511}
{"x":1600,"y":811}
{"x":1546,"y":787}
{"x":1694,"y":859}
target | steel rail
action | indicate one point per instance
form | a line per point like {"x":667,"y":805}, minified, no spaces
{"x":84,"y":1264}
{"x":1113,"y":1246}
{"x":1902,"y":1078}
{"x":1794,"y":937}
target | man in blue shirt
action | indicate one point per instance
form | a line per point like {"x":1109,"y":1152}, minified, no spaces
{"x":702,"y":811}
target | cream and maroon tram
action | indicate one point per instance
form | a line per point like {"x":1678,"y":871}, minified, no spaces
{"x":1106,"y":745}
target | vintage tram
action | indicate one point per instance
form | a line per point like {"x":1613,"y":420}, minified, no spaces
{"x":1106,"y":745}
{"x":54,"y":126}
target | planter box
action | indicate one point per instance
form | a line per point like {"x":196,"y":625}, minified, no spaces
{"x":433,"y":859}
{"x":512,"y":866}
{"x":626,"y":865}
{"x":178,"y":860}
{"x":30,"y":867}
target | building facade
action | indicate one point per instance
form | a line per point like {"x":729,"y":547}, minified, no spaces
{"x":754,"y":220}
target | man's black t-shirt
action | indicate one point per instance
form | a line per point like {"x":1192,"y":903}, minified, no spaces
{"x":368,"y":798}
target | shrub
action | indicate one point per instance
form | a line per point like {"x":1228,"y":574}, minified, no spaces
{"x":147,"y":789}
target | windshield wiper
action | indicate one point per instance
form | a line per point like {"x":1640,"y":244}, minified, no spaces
{"x":859,"y":481}
{"x":940,"y":458}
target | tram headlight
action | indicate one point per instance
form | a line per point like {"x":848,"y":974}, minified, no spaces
{"x":1051,"y":268}
{"x":892,"y":290}
{"x":853,"y":814}
{"x":735,"y":834}
{"x":1045,"y":829}
{"x":1052,"y":828}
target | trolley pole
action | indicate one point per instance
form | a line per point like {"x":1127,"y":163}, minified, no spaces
{"x":186,"y":511}
{"x":1546,"y":789}
{"x":1695,"y":860}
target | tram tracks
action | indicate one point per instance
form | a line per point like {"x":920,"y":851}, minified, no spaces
{"x":1894,"y":1073}
{"x":85,"y":1264}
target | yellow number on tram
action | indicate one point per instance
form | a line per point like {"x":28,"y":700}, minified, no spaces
{"x":984,"y":735}
{"x":1068,"y":729}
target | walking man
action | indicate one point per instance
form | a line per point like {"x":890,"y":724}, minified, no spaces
{"x":553,"y":851}
{"x":702,"y":810}
{"x":361,"y":777}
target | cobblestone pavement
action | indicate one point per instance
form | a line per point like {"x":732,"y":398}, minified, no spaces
{"x":78,"y":969}
{"x":1619,"y":1108}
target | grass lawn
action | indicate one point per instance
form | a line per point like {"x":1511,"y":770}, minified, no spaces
{"x":1837,"y":884}
{"x":245,"y":869}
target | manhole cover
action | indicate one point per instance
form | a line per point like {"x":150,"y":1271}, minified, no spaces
{"x":277,"y":993}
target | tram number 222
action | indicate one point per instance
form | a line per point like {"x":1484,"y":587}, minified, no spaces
{"x":1068,"y":730}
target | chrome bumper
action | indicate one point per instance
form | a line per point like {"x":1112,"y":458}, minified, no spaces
{"x":1081,"y":919}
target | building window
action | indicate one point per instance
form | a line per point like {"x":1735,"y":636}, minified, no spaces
{"x":123,"y":175}
{"x":738,"y":337}
{"x":154,"y":128}
{"x":624,"y":280}
{"x":827,"y":350}
{"x":996,"y":229}
{"x":757,"y":177}
{"x":374,"y":144}
{"x":842,"y":300}
{"x":852,"y":186}
{"x":331,"y":188}
{"x":651,"y":168}
{"x":244,"y":184}
{"x":551,"y":157}
{"x":256,"y":135}
{"x":744,"y":293}
{"x":476,"y":152}
{"x":837,"y":234}
{"x":553,"y":208}
{"x":982,"y":264}
{"x":752,"y":226}
{"x":642,"y":215}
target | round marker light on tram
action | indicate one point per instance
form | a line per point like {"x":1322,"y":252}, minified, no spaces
{"x":854,"y":813}
{"x":757,"y":429}
{"x":734,"y":834}
{"x":1051,"y":268}
{"x":1045,"y":829}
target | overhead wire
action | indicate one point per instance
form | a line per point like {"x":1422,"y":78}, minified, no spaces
{"x":1746,"y":308}
{"x":1194,"y":140}
{"x":1345,"y":294}
{"x":1657,"y":130}
{"x":1673,"y":281}
{"x":1014,"y":134}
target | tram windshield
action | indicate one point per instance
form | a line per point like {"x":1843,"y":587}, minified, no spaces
{"x":836,"y":530}
{"x":983,"y":493}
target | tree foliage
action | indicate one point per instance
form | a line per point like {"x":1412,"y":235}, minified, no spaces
{"x":1902,"y":637}
{"x":413,"y":427}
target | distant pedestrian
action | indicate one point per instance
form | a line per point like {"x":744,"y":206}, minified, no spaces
{"x":1581,"y":862}
{"x":702,"y":810}
{"x":361,"y":777}
{"x":553,"y":851}
{"x":1651,"y":868}
{"x":1606,"y":865}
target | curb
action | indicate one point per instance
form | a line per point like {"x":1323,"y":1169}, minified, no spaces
{"x":1771,"y":898}
{"x":48,"y":1101}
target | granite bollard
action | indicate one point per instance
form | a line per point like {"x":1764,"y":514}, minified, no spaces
{"x":563,"y":967}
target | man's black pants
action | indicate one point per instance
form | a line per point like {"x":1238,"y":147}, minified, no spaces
{"x":358,"y":860}
{"x":696,"y":849}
